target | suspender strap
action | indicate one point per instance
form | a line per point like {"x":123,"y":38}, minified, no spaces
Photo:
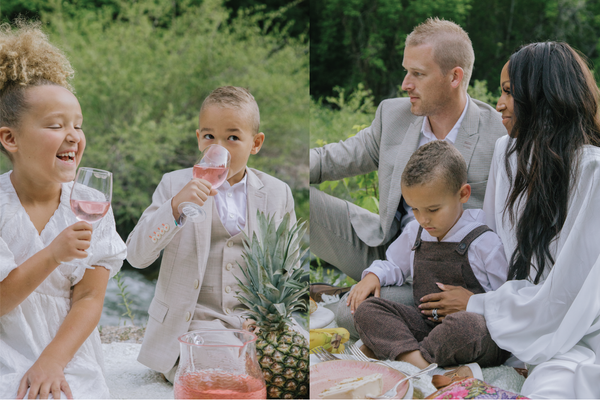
{"x":464,"y":244}
{"x":418,"y":239}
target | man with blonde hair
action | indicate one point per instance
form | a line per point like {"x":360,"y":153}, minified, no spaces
{"x":438,"y":59}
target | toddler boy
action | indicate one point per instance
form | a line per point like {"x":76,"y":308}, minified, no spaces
{"x":445,"y":244}
{"x":196,"y":285}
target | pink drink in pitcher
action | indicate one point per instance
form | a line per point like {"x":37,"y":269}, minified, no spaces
{"x":219,"y":385}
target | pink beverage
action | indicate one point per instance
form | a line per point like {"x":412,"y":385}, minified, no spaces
{"x":90,"y":211}
{"x":215,"y":175}
{"x":219,"y":385}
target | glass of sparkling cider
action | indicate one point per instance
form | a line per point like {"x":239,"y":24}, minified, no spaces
{"x":91,"y":194}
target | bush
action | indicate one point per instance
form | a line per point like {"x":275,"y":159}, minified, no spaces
{"x":142,"y":74}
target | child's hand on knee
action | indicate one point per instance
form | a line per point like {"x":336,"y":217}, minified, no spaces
{"x":368,"y":285}
{"x":45,"y":377}
{"x":195,"y":191}
{"x":72,"y":242}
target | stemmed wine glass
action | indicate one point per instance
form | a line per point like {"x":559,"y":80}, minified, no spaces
{"x":212,"y":166}
{"x":91,"y":194}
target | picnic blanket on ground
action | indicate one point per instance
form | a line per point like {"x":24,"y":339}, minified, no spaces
{"x":503,"y":377}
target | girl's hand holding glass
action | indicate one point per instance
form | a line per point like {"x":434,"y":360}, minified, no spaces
{"x":72,"y":242}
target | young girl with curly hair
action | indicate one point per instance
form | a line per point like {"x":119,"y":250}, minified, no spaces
{"x":50,"y":302}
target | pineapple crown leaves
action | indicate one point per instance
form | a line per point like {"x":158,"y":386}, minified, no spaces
{"x":273,"y":271}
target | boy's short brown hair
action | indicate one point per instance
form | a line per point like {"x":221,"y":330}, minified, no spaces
{"x":235,"y":97}
{"x":436,"y":159}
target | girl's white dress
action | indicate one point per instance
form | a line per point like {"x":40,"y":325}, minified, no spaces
{"x":30,"y":327}
{"x":554,"y":325}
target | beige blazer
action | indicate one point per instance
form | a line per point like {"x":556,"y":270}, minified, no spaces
{"x":185,"y":252}
{"x":387,"y":145}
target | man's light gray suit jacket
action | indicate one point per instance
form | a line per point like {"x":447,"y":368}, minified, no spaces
{"x":387,"y":145}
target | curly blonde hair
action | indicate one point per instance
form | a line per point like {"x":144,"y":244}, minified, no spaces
{"x":27,"y":59}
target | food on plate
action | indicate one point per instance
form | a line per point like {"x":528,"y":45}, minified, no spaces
{"x":331,"y":339}
{"x":313,"y":306}
{"x":355,"y":388}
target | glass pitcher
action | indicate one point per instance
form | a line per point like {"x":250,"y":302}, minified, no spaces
{"x":219,"y":364}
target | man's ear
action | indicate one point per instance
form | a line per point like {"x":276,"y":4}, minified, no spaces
{"x":258,"y":141}
{"x":456,"y":75}
{"x":465,"y":193}
{"x":8,"y":139}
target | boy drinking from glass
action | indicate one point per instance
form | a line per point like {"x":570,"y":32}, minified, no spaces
{"x":445,"y":245}
{"x":196,"y":286}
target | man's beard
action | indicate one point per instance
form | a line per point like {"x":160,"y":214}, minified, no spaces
{"x":429,"y":108}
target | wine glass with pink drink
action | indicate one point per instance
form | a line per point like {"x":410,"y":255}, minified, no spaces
{"x":91,"y":194}
{"x":213,"y":166}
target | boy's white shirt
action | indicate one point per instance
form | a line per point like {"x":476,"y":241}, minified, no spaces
{"x":486,"y":253}
{"x":231,"y":205}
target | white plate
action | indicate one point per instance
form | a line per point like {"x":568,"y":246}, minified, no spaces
{"x":321,"y":318}
{"x":326,"y":374}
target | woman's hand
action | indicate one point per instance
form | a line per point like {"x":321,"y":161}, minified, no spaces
{"x":452,"y":299}
{"x":368,"y":285}
{"x":44,"y":377}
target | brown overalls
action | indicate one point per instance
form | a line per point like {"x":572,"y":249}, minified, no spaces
{"x":391,"y":329}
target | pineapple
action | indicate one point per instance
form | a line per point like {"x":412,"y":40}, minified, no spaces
{"x":273,"y":290}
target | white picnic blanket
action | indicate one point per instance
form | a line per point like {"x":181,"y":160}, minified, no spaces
{"x":127,"y":378}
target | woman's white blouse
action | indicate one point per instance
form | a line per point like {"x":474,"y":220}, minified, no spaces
{"x":559,"y":318}
{"x":30,"y":327}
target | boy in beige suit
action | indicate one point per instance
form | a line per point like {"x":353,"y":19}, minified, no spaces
{"x":196,"y":286}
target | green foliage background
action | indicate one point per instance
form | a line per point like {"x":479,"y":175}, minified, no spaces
{"x":143,"y":69}
{"x":362,"y":41}
{"x":357,"y":48}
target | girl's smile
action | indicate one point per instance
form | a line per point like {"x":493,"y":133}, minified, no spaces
{"x":49,"y":142}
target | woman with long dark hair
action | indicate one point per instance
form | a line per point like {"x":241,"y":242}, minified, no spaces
{"x":543,"y":200}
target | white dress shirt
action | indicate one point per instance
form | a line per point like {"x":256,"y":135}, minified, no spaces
{"x":486,"y":253}
{"x":427,"y":136}
{"x":231,"y":205}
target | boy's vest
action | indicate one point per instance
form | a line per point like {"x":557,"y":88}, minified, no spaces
{"x":444,"y":262}
{"x":219,"y":286}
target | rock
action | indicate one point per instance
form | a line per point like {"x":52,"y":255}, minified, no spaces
{"x":122,"y":334}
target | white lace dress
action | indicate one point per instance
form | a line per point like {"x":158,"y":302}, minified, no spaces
{"x":30,"y":327}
